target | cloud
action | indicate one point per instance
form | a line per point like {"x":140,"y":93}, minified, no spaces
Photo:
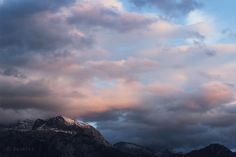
{"x":21,"y":9}
{"x":170,"y":117}
{"x":17,"y":115}
{"x":57,"y":28}
{"x":209,"y":96}
{"x":49,"y":61}
{"x":12,"y":72}
{"x":30,"y":28}
{"x":17,"y":94}
{"x":87,"y":87}
{"x":170,"y":7}
{"x":112,"y":4}
{"x":91,"y":15}
{"x":229,"y":32}
{"x":121,"y":69}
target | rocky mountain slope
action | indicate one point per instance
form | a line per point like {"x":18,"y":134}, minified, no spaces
{"x":55,"y":137}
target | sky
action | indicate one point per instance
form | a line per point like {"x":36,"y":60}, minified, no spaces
{"x":153,"y":72}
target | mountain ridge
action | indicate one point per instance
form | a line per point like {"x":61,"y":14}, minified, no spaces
{"x":212,"y":150}
{"x":64,"y":137}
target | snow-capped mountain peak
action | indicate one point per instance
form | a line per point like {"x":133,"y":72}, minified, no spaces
{"x":60,"y":123}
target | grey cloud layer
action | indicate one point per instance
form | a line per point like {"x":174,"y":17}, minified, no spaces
{"x":30,"y":27}
{"x":101,"y":16}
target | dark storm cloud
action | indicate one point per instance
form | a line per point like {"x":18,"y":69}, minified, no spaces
{"x":36,"y":88}
{"x":18,"y":95}
{"x":170,"y":7}
{"x":169,"y":129}
{"x":12,"y":115}
{"x":171,"y":120}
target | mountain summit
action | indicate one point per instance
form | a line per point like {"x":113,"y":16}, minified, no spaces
{"x":69,"y":126}
{"x":60,"y":123}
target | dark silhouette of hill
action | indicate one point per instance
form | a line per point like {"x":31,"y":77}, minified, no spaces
{"x":213,"y":150}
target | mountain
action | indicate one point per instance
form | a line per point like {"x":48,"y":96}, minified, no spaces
{"x":134,"y":149}
{"x":54,"y":137}
{"x":63,"y":137}
{"x":213,"y":150}
{"x":69,"y":126}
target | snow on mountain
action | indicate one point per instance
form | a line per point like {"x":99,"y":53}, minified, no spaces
{"x":60,"y":123}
